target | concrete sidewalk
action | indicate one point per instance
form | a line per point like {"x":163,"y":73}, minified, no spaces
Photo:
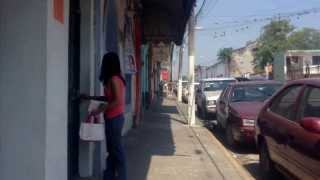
{"x":165,"y":148}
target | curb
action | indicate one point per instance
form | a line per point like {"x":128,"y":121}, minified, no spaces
{"x":235,"y":162}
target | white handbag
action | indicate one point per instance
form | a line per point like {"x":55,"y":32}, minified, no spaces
{"x":92,"y":130}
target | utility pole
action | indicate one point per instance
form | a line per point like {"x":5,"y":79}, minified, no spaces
{"x":180,"y":74}
{"x":191,"y":51}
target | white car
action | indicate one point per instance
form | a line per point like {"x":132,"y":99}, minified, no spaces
{"x":208,"y":92}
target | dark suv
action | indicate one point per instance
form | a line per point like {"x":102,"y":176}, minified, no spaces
{"x":288,"y":132}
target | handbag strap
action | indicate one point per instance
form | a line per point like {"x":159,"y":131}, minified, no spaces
{"x":92,"y":119}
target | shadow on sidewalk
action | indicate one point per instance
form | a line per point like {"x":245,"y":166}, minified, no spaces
{"x":152,"y":138}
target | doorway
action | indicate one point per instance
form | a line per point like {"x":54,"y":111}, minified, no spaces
{"x":74,"y":87}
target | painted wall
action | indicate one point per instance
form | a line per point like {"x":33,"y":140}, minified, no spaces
{"x":33,"y":83}
{"x":23,"y":89}
{"x":242,"y":61}
{"x":87,"y":79}
{"x":145,"y":74}
{"x":56,"y":95}
{"x":217,"y":70}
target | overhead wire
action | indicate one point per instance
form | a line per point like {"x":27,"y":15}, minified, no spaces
{"x":201,"y":9}
{"x":239,"y":26}
{"x":210,"y":8}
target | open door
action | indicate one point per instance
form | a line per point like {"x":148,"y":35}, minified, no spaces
{"x":74,"y":86}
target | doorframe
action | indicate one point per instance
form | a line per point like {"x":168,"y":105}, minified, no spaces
{"x":73,"y":89}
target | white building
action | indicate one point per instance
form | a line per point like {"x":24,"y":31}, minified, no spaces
{"x":301,"y":63}
{"x":216,"y":70}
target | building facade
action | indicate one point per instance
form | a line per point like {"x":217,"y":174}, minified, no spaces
{"x":297,"y":64}
{"x":241,"y":64}
{"x":216,"y":70}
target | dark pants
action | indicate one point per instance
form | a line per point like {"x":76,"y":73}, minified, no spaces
{"x":116,"y":161}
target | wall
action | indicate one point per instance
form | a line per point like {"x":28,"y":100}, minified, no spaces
{"x":56,"y":95}
{"x":23,"y":89}
{"x":217,"y":70}
{"x":87,"y":79}
{"x":242,"y":61}
{"x":33,"y":83}
{"x":145,"y":75}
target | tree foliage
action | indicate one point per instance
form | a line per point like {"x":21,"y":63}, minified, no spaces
{"x":273,"y":39}
{"x":305,"y":39}
{"x":225,"y":54}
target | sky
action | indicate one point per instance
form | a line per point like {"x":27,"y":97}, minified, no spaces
{"x":219,"y":16}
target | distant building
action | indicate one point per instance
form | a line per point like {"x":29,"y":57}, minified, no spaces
{"x":200,"y":72}
{"x":297,"y":64}
{"x":217,"y":70}
{"x":241,"y":64}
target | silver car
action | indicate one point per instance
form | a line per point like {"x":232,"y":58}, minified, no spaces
{"x":208,"y":92}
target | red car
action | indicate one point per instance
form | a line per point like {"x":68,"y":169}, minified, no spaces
{"x":238,"y":107}
{"x":288,"y":132}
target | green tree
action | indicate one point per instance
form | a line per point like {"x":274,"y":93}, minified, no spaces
{"x":225,"y":55}
{"x":273,"y":39}
{"x":305,"y":39}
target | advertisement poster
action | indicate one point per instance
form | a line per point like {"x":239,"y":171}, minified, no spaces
{"x":130,"y":64}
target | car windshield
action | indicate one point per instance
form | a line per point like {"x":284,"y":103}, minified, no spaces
{"x":254,"y":92}
{"x":217,"y":85}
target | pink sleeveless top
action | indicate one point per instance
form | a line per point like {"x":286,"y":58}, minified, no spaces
{"x":119,"y":109}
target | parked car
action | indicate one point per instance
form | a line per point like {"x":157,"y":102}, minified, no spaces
{"x":239,"y":79}
{"x":238,"y":107}
{"x":288,"y":132}
{"x":208,"y":92}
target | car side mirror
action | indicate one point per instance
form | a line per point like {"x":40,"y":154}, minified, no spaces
{"x":311,"y":124}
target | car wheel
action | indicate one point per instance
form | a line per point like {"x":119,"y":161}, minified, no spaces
{"x":267,"y":169}
{"x":229,"y":136}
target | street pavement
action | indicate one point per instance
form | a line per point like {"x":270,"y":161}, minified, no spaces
{"x":164,"y":147}
{"x":245,"y":155}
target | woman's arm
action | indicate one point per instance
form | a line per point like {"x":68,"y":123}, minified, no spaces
{"x":117,"y":91}
{"x":96,"y":98}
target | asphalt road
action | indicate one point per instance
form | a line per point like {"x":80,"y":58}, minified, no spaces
{"x":246,"y":155}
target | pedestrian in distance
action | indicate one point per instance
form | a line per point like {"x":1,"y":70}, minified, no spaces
{"x":114,"y":95}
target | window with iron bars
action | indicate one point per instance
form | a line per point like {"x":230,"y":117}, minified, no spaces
{"x":315,"y":60}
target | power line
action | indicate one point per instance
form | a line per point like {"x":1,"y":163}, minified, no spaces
{"x":245,"y":25}
{"x":201,"y":8}
{"x":210,"y":8}
{"x":272,"y":17}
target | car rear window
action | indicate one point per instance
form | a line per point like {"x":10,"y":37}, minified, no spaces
{"x":259,"y":92}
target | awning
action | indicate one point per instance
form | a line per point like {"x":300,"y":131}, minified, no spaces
{"x":165,"y":20}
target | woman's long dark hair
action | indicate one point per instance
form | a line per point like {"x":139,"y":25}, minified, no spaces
{"x":110,"y":67}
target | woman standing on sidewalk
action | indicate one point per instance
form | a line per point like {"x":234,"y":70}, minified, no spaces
{"x":114,"y":94}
